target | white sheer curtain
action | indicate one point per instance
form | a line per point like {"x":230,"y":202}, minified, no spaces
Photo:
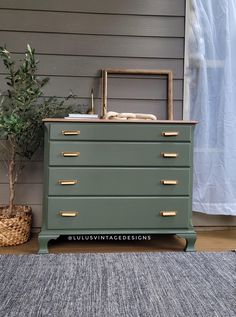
{"x":212,"y":91}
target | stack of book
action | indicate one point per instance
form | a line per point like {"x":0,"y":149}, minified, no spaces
{"x":81,"y":116}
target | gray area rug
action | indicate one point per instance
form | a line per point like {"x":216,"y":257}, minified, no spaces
{"x":172,"y":284}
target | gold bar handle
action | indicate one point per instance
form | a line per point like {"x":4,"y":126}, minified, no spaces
{"x":67,"y":182}
{"x":168,"y":213}
{"x":170,"y":155}
{"x":68,"y":213}
{"x":169,"y":133}
{"x":169,"y":182}
{"x":70,"y":132}
{"x":70,"y":154}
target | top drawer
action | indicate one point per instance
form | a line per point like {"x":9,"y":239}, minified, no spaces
{"x":119,"y":131}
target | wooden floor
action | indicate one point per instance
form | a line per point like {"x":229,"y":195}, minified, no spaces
{"x":215,"y":241}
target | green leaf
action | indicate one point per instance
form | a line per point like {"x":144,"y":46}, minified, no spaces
{"x":21,"y":111}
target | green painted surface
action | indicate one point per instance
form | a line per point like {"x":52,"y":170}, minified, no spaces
{"x":119,"y":153}
{"x":119,"y":172}
{"x":120,"y":132}
{"x":117,"y":212}
{"x":118,"y":181}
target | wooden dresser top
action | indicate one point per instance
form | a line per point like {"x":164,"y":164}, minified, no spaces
{"x":120,"y":121}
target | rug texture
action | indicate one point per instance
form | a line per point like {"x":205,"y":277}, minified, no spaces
{"x":172,"y":284}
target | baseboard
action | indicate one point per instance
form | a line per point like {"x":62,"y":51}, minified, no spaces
{"x":213,"y":228}
{"x":204,"y":220}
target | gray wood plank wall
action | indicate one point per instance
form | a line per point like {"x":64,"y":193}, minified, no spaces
{"x":75,"y":39}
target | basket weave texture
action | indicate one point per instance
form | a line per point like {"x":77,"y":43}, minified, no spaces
{"x":15,"y":230}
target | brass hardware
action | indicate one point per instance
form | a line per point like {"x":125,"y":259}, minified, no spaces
{"x":70,"y":154}
{"x":168,"y":213}
{"x":169,"y":182}
{"x":170,"y":133}
{"x":171,"y":155}
{"x":70,"y":132}
{"x":68,"y":213}
{"x":67,"y":182}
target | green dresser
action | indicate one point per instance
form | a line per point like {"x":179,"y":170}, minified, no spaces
{"x":113,"y":177}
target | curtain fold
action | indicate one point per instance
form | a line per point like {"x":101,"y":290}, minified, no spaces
{"x":212,"y":90}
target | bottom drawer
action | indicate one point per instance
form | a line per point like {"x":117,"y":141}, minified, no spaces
{"x":117,"y":213}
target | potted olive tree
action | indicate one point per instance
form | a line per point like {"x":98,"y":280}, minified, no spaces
{"x":22,"y":108}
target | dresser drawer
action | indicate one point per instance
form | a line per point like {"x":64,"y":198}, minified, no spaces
{"x":117,"y":213}
{"x":119,"y":154}
{"x":118,"y":181}
{"x":119,"y":132}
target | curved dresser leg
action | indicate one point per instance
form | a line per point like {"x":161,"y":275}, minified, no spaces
{"x":190,"y":241}
{"x":43,"y":242}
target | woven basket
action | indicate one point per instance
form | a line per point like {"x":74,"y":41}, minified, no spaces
{"x":15,"y":230}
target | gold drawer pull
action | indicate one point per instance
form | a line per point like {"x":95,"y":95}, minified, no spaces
{"x":168,"y":133}
{"x":70,"y":154}
{"x":68,"y":213}
{"x":169,"y":182}
{"x":168,"y":213}
{"x":67,"y":182}
{"x":70,"y":132}
{"x":171,"y":155}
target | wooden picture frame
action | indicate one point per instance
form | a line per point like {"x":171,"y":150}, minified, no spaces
{"x":162,"y":72}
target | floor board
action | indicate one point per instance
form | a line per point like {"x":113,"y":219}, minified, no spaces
{"x":215,"y":241}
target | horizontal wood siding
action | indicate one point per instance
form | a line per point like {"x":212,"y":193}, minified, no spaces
{"x":120,"y":88}
{"x":25,"y":193}
{"x":95,"y":45}
{"x":130,"y":7}
{"x":90,"y":66}
{"x":89,"y":23}
{"x":32,"y":173}
{"x":74,"y":40}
